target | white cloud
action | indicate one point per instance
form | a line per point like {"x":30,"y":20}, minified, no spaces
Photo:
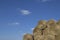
{"x":32,"y":28}
{"x":15,"y":23}
{"x":44,"y":0}
{"x":24,"y":33}
{"x":25,"y":12}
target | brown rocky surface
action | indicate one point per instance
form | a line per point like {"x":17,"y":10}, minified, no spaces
{"x":45,"y":30}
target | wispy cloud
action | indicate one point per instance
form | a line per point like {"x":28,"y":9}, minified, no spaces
{"x":24,"y":33}
{"x":44,"y":0}
{"x":14,"y":23}
{"x":32,"y":28}
{"x":25,"y":12}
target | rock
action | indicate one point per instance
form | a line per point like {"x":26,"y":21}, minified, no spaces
{"x":28,"y":37}
{"x":45,"y":30}
{"x":38,"y":31}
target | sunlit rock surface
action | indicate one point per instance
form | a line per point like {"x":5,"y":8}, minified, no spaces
{"x":45,"y":30}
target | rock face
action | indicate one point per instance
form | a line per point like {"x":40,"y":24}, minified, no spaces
{"x":28,"y":37}
{"x":45,"y":30}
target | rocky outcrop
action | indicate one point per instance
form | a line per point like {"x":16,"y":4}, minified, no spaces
{"x":45,"y":30}
{"x":28,"y":37}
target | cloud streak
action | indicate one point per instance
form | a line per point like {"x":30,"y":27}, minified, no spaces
{"x":25,"y":12}
{"x":15,"y":23}
{"x":44,"y":0}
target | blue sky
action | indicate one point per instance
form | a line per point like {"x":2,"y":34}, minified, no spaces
{"x":18,"y":17}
